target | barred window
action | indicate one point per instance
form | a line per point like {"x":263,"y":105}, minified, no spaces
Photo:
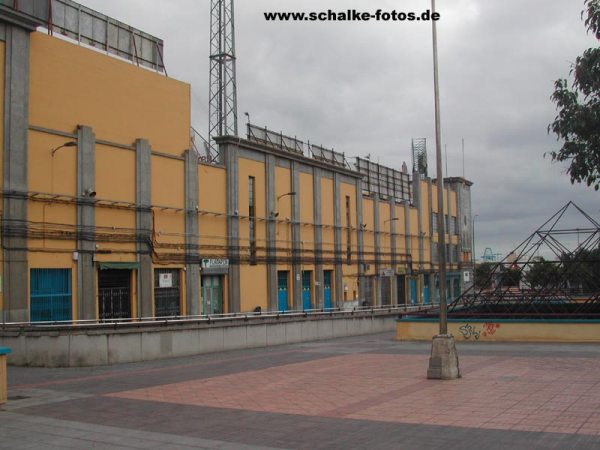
{"x":252,"y":216}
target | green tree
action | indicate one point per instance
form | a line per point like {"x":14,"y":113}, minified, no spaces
{"x":582,"y":269}
{"x":577,"y":124}
{"x":483,"y":275}
{"x":509,"y":276}
{"x":543,"y":274}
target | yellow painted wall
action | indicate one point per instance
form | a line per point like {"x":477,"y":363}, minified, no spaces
{"x":400,"y":231}
{"x":212,"y":199}
{"x":369,"y":234}
{"x":246,"y":169}
{"x":168,"y":191}
{"x":327,"y":216}
{"x":51,"y":175}
{"x":501,"y":332}
{"x":283,"y":206}
{"x":114,"y":182}
{"x":385,"y":228}
{"x":71,"y":85}
{"x":350,"y":287}
{"x":254,"y":290}
{"x":307,"y":216}
{"x":453,"y":203}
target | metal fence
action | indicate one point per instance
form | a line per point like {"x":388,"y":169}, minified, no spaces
{"x":92,"y":28}
{"x":384,"y":182}
{"x":225,"y":319}
{"x":277,"y":140}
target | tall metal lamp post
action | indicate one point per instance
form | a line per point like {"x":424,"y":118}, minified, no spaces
{"x":443,"y":363}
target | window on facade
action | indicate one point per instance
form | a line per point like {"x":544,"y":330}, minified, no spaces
{"x":455,"y":225}
{"x":50,"y":295}
{"x":434,"y":222}
{"x":252,"y":217}
{"x":348,"y":232}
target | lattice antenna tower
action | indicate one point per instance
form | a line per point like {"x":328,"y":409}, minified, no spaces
{"x":222,"y":108}
{"x":419,"y":156}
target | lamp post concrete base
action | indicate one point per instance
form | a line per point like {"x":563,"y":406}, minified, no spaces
{"x":443,"y":362}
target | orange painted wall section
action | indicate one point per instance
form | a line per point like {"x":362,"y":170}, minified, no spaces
{"x":283,"y":206}
{"x":246,"y":169}
{"x":327,"y":217}
{"x":71,"y":85}
{"x":307,"y":216}
{"x":212,"y":199}
{"x":255,"y":292}
{"x":168,"y":191}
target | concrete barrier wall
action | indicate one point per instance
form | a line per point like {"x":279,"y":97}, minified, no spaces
{"x":76,"y":347}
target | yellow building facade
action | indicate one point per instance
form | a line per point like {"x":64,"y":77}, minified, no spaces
{"x":109,"y":213}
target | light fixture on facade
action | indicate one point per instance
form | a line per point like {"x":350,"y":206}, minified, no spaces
{"x":66,"y":144}
{"x":275,"y":214}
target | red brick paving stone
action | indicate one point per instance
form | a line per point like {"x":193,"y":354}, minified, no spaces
{"x":559,"y":395}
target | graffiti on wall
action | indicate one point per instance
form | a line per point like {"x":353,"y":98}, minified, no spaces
{"x":473,"y":332}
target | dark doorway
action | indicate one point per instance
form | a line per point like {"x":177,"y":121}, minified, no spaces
{"x":114,"y":289}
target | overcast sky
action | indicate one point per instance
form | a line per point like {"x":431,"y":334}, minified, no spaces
{"x":367,"y":88}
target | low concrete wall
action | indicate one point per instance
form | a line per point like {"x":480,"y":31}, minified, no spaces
{"x":502,"y":330}
{"x":131,"y":342}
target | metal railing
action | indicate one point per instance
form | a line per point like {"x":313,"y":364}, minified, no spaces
{"x":223,"y":319}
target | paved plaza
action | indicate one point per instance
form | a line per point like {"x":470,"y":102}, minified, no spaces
{"x":365,"y":392}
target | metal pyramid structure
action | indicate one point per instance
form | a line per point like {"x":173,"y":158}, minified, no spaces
{"x":553,"y":274}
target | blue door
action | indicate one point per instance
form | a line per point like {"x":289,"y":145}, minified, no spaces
{"x":51,"y":298}
{"x":306,"y":290}
{"x":414,"y":298}
{"x":282,"y":291}
{"x":426,"y":289}
{"x":327,"y":275}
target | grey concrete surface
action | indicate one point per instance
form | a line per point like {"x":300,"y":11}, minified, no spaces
{"x":76,"y":408}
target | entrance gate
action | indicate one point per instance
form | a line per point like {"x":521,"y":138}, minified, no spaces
{"x":114,"y":292}
{"x":306,"y":290}
{"x":327,"y":276}
{"x":282,"y":290}
{"x":212,"y":295}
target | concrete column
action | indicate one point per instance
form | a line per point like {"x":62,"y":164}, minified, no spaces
{"x":192,"y":231}
{"x":230,"y":156}
{"x":318,"y":220}
{"x":407,"y":231}
{"x":296,"y":245}
{"x":360,"y":237}
{"x":271,"y":233}
{"x":16,"y":121}
{"x":377,"y":226}
{"x":86,"y":223}
{"x":337,"y":207}
{"x":419,"y":197}
{"x":143,"y":184}
{"x":394,"y":254}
